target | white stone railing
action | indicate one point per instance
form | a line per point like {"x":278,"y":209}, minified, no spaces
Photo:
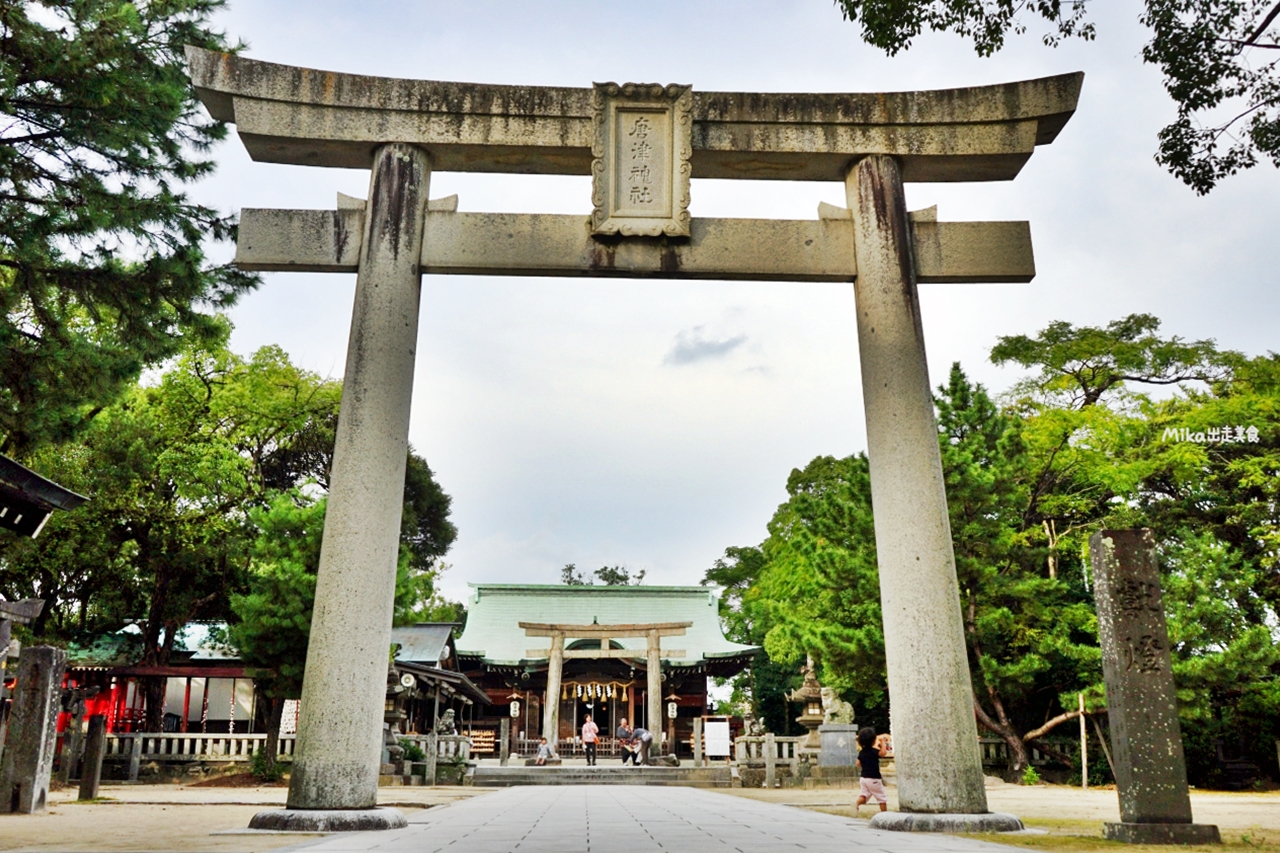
{"x":449,"y":747}
{"x":754,"y":751}
{"x":187,"y":748}
{"x":454,"y":748}
{"x":767,"y":751}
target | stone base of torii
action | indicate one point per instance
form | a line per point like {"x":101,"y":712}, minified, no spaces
{"x":641,"y":144}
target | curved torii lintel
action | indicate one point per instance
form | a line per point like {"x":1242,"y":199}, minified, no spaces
{"x":302,"y":116}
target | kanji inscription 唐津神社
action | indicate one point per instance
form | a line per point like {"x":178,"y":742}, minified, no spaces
{"x":640,"y":167}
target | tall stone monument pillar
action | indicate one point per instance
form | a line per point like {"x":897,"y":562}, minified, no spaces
{"x":1151,"y":771}
{"x":935,"y":737}
{"x":340,"y":726}
{"x":28,"y":757}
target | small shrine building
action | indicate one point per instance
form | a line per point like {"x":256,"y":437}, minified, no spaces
{"x":502,"y":653}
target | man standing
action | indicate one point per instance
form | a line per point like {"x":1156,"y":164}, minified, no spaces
{"x":643,"y":740}
{"x":590,"y":734}
{"x":624,"y":736}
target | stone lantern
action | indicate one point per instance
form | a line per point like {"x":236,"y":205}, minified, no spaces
{"x":809,"y":697}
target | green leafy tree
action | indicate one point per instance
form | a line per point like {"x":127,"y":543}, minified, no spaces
{"x":1079,"y":446}
{"x":811,"y":588}
{"x":763,"y":686}
{"x":425,"y":529}
{"x":426,"y":534}
{"x":1105,"y":454}
{"x":1217,"y":522}
{"x":273,"y":619}
{"x":102,"y":266}
{"x":1078,"y":366}
{"x":570,"y":575}
{"x":736,"y":573}
{"x":1225,"y":657}
{"x":1218,"y":58}
{"x":1032,"y":636}
{"x":271,"y":623}
{"x":619,"y":576}
{"x":1088,"y":430}
{"x":175,"y":468}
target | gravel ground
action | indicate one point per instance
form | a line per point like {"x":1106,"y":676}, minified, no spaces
{"x":181,"y":818}
{"x":1056,"y":803}
{"x":175,"y":818}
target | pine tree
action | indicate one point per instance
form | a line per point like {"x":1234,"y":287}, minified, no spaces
{"x":102,"y":265}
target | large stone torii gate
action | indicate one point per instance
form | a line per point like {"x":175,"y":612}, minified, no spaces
{"x":641,"y":144}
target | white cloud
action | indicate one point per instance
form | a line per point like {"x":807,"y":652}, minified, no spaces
{"x":693,"y":346}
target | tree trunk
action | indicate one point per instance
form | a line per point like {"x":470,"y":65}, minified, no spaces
{"x":155,"y":685}
{"x":1051,"y":534}
{"x":153,"y":695}
{"x":272,"y":745}
{"x":1018,"y":758}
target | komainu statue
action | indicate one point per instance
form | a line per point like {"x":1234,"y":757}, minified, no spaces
{"x":835,"y":709}
{"x":445,"y":725}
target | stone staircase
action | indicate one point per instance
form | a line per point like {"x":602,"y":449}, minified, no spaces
{"x":693,"y":777}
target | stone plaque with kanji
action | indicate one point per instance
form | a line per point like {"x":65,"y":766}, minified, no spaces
{"x":640,"y":159}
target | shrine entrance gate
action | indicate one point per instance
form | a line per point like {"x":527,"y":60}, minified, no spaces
{"x":641,"y":144}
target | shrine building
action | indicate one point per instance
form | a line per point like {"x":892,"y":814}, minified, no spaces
{"x":505,"y":650}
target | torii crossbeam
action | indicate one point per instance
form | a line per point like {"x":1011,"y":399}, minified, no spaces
{"x":641,"y":144}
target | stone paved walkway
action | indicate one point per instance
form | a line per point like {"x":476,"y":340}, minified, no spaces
{"x":625,"y":819}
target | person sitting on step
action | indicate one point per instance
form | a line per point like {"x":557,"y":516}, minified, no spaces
{"x":544,"y":753}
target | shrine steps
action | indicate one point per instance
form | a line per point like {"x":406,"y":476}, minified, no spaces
{"x":693,"y":777}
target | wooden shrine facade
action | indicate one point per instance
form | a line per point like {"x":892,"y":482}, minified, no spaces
{"x":605,"y":657}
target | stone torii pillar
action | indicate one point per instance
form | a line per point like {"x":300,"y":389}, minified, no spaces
{"x":334,"y":785}
{"x":642,"y":144}
{"x":931,"y":701}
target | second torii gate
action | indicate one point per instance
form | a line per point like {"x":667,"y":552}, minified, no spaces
{"x":557,"y":654}
{"x":641,"y":144}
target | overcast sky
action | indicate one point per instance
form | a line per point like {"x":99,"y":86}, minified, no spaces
{"x":652,"y":424}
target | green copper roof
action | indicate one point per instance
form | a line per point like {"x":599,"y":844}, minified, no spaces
{"x":495,"y":610}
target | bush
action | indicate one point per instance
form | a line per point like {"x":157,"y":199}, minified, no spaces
{"x":1030,"y":776}
{"x":264,"y":769}
{"x":412,"y":752}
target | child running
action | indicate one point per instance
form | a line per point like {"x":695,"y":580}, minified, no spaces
{"x":870,"y":786}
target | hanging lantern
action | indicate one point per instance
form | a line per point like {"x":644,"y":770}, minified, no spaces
{"x":515,"y":707}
